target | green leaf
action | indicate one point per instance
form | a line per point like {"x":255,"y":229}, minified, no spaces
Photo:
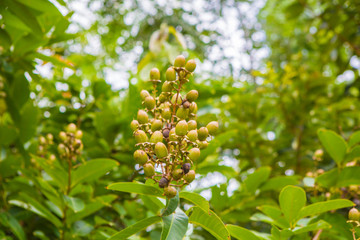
{"x":210,"y":222}
{"x":334,"y":144}
{"x":291,"y":200}
{"x":279,"y":182}
{"x":9,"y":221}
{"x":152,"y":203}
{"x":92,"y":170}
{"x":76,"y":204}
{"x":254,"y":180}
{"x":171,"y":205}
{"x":131,"y":230}
{"x":349,"y":176}
{"x":312,"y":227}
{"x":353,"y":154}
{"x":175,"y":225}
{"x":41,"y":5}
{"x":276,"y":214}
{"x":196,"y":199}
{"x":133,"y":187}
{"x":5,"y":39}
{"x":321,"y":207}
{"x":328,"y":179}
{"x":28,"y":124}
{"x":354,"y":139}
{"x":241,"y":233}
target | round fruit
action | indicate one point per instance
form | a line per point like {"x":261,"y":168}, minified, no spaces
{"x":166,"y":113}
{"x":176,"y":98}
{"x":192,"y":135}
{"x":62,"y":136}
{"x":186,"y":167}
{"x":156,"y":137}
{"x":203,"y":133}
{"x":192,"y":125}
{"x":62,"y":148}
{"x":42,"y":140}
{"x":50,"y":137}
{"x":173,"y":136}
{"x":155,"y":74}
{"x":202,"y":144}
{"x":142,"y":117}
{"x":193,"y":108}
{"x":186,"y":104}
{"x":140,"y":136}
{"x":166,"y":87}
{"x":156,"y":125}
{"x":192,"y":95}
{"x":212,"y":127}
{"x":177,"y":174}
{"x":149,"y":170}
{"x":182,"y":112}
{"x":144,"y":94}
{"x":71,"y":128}
{"x":134,"y":125}
{"x":190,"y":65}
{"x":164,"y":182}
{"x":149,"y":102}
{"x":181,"y":128}
{"x":140,"y":157}
{"x":190,"y":176}
{"x":354,"y":214}
{"x":179,"y":61}
{"x":170,"y":74}
{"x":162,"y":97}
{"x":194,"y":154}
{"x":160,"y":150}
{"x":170,"y":192}
{"x":78,"y":134}
{"x":166,"y":133}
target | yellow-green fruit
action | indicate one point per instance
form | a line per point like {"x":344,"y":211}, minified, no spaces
{"x":354,"y":214}
{"x":78,"y":134}
{"x":160,"y":150}
{"x":192,"y":95}
{"x":50,"y":137}
{"x":166,"y":113}
{"x":156,"y":125}
{"x":202,"y":144}
{"x":177,"y":174}
{"x":166,"y":87}
{"x":62,"y":148}
{"x":149,"y":102}
{"x":181,"y":128}
{"x":194,"y":154}
{"x":193,"y":108}
{"x":190,"y":65}
{"x":172,"y":134}
{"x":170,"y":192}
{"x":182,"y":112}
{"x":203,"y":133}
{"x":179,"y":61}
{"x":162,"y":97}
{"x":42,"y":140}
{"x":62,"y":136}
{"x":170,"y":74}
{"x":192,"y":135}
{"x":71,"y":128}
{"x":140,"y":157}
{"x":142,"y":117}
{"x":176,"y":98}
{"x":155,"y":74}
{"x":149,"y":170}
{"x":144,"y":94}
{"x":192,"y":125}
{"x":140,"y":136}
{"x":134,"y":125}
{"x":156,"y":137}
{"x":190,"y":176}
{"x":212,"y":127}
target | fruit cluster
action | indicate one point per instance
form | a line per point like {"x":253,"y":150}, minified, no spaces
{"x":71,"y":144}
{"x":166,"y":130}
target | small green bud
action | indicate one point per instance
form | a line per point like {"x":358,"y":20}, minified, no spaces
{"x":192,"y":125}
{"x":78,"y":134}
{"x":164,"y":182}
{"x":193,"y":108}
{"x":170,"y":192}
{"x":179,"y":61}
{"x":173,"y":136}
{"x":167,"y":87}
{"x":71,"y":128}
{"x":140,"y":157}
{"x":134,"y":125}
{"x":181,"y":128}
{"x":62,"y":136}
{"x":176,"y":98}
{"x":149,"y":102}
{"x":182,"y":112}
{"x":142,"y":117}
{"x":203,"y":133}
{"x":160,"y":150}
{"x":144,"y":94}
{"x":192,"y":135}
{"x":194,"y":154}
{"x":192,"y":95}
{"x":140,"y":136}
{"x":149,"y":170}
{"x":166,"y":113}
{"x":354,"y":214}
{"x":190,"y":176}
{"x":190,"y":65}
{"x":154,"y":74}
{"x":170,"y":74}
{"x":212,"y":127}
{"x":156,"y":125}
{"x":177,"y":174}
{"x":157,"y":136}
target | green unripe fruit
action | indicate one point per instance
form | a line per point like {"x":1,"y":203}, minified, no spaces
{"x":167,"y":87}
{"x":144,"y":94}
{"x":149,"y":102}
{"x":170,"y":74}
{"x":177,"y":174}
{"x":161,"y":150}
{"x":52,"y":158}
{"x":166,"y":113}
{"x":78,"y":134}
{"x":62,"y":149}
{"x":203,"y":133}
{"x":62,"y":136}
{"x":192,"y":135}
{"x":154,"y":74}
{"x":212,"y":127}
{"x":186,"y":167}
{"x":170,"y":192}
{"x":181,"y":128}
{"x":156,"y":137}
{"x":192,"y":125}
{"x":42,"y":140}
{"x":179,"y":61}
{"x":190,"y":65}
{"x":50,"y":137}
{"x":194,"y":154}
{"x":140,"y":157}
{"x":202,"y":144}
{"x":176,"y":98}
{"x":182,"y":112}
{"x":142,"y":117}
{"x":134,"y":125}
{"x":162,"y":97}
{"x":354,"y":214}
{"x":164,"y":182}
{"x":149,"y":170}
{"x":193,"y":108}
{"x":140,"y":136}
{"x":192,"y":95}
{"x":190,"y":176}
{"x":71,"y":128}
{"x":173,"y":136}
{"x":156,"y":125}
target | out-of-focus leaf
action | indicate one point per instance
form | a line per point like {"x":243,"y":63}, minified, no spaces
{"x":7,"y":220}
{"x":334,"y":144}
{"x":241,"y":233}
{"x":254,"y":180}
{"x":321,"y":224}
{"x":132,"y":187}
{"x":76,"y":204}
{"x":279,"y":182}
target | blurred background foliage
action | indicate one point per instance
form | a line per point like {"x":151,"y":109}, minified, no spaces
{"x":272,"y":72}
